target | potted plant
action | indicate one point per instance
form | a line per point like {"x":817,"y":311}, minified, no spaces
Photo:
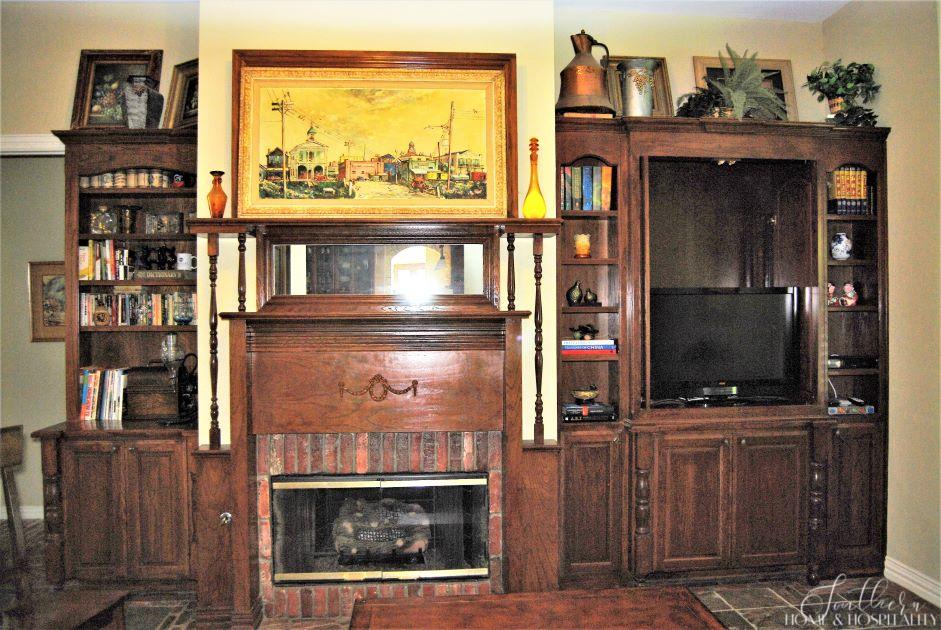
{"x":842,"y":85}
{"x":699,"y":103}
{"x":742,"y":88}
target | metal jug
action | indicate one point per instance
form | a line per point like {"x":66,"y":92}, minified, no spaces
{"x":584,"y":88}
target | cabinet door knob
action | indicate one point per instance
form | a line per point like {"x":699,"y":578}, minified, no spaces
{"x":225,"y":518}
{"x":742,"y":441}
{"x":132,"y":448}
{"x":114,"y":448}
{"x":725,"y":441}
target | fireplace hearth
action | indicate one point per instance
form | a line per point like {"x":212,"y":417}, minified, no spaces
{"x":355,"y":528}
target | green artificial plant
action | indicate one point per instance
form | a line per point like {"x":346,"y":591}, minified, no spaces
{"x":699,"y":103}
{"x":742,"y":88}
{"x":851,"y":81}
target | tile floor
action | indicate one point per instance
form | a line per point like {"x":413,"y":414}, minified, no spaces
{"x":855,"y":603}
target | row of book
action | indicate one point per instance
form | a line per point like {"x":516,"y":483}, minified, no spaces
{"x":586,"y":188}
{"x":848,"y":191}
{"x":101,"y":260}
{"x":102,"y":398}
{"x":589,"y":347}
{"x":135,"y":308}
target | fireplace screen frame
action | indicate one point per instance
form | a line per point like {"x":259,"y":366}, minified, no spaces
{"x":378,"y":482}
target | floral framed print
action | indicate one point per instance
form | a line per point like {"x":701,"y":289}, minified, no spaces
{"x":183,"y":100}
{"x":47,"y":301}
{"x":373,"y":134}
{"x":103,"y":76}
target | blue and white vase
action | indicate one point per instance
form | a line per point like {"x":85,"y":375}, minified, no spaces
{"x":840,"y":246}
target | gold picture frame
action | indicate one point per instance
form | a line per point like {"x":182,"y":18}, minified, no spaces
{"x":662,"y":97}
{"x":781,"y":77}
{"x":183,"y":100}
{"x":374,"y":134}
{"x":47,"y":301}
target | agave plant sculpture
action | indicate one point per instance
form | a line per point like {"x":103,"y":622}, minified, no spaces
{"x":742,"y":88}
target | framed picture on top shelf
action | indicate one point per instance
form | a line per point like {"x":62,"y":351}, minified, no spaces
{"x":183,"y":100}
{"x":47,"y":301}
{"x":103,"y":76}
{"x":395,"y":134}
{"x":778,"y":76}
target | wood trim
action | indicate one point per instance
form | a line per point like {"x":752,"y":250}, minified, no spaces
{"x":30,"y":144}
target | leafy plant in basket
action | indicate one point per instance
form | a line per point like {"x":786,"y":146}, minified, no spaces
{"x":699,"y":103}
{"x":844,"y":85}
{"x":742,"y":88}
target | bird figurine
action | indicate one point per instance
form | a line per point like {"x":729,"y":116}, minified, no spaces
{"x":574,"y":295}
{"x":590,"y":298}
{"x":585,"y":331}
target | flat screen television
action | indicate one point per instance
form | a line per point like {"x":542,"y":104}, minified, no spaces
{"x":705,"y":342}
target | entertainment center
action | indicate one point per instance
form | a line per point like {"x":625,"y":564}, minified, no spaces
{"x":730,"y":459}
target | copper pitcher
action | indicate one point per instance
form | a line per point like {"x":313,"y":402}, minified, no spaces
{"x":584,"y":88}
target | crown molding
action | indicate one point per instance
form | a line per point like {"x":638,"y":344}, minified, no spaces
{"x":30,"y":144}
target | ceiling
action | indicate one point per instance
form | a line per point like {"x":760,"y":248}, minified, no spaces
{"x":789,"y":10}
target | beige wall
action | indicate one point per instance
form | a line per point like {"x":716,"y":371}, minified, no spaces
{"x":522,"y":27}
{"x":679,"y":38}
{"x":900,"y":39}
{"x":42,"y":43}
{"x":32,"y":374}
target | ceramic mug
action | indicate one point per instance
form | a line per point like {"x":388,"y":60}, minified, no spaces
{"x":185,"y":262}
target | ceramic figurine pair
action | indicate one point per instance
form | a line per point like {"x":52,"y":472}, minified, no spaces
{"x":575,"y":296}
{"x":849,"y":297}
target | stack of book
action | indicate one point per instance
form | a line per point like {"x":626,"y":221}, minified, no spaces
{"x":589,"y":347}
{"x":590,"y":412}
{"x":586,"y":188}
{"x":101,"y":260}
{"x":848,"y":191}
{"x":102,"y":398}
{"x":128,"y":307}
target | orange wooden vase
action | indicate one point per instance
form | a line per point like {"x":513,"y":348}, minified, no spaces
{"x":217,"y":197}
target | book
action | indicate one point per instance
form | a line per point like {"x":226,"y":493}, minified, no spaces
{"x":576,"y":188}
{"x":578,"y":342}
{"x":567,"y":188}
{"x":579,"y":352}
{"x":606,"y":172}
{"x":586,"y":188}
{"x":596,"y":188}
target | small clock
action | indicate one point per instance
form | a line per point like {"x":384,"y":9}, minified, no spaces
{"x":103,"y":221}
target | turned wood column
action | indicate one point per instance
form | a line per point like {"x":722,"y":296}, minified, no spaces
{"x":215,"y":437}
{"x":241,"y":289}
{"x":538,"y":428}
{"x":510,"y":272}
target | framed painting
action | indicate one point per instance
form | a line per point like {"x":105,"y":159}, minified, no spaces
{"x":47,"y":301}
{"x":99,"y":89}
{"x":183,"y":108}
{"x":662,"y":99}
{"x":373,"y":134}
{"x":778,"y":76}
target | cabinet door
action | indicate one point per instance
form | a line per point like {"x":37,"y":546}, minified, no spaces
{"x":770,"y":498}
{"x":91,"y":495}
{"x":858,"y":482}
{"x":692,"y":502}
{"x":158,"y":519}
{"x":590,"y":490}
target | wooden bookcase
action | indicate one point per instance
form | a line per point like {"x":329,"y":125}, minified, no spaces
{"x":117,"y":501}
{"x":715,"y":204}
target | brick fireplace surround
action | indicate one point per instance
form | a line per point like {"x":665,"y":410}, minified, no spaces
{"x":362,"y":453}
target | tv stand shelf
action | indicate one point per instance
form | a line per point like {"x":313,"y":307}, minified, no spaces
{"x":753,"y":490}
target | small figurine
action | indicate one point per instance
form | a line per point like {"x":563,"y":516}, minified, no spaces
{"x":585,"y":331}
{"x":591,"y":298}
{"x":832,"y":299}
{"x":850,"y":297}
{"x":574,"y":295}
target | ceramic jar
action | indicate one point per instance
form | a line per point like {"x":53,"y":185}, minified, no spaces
{"x":840,"y":246}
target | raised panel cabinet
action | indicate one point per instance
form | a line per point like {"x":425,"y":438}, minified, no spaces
{"x":770,"y":498}
{"x":857,"y":521}
{"x":590,"y":504}
{"x":158,"y":520}
{"x":692,"y":502}
{"x":94,"y":523}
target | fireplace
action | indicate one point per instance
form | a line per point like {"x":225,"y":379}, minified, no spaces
{"x":356,"y":528}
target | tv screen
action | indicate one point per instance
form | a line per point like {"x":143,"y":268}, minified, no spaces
{"x":706,"y":338}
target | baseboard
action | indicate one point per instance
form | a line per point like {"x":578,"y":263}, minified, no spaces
{"x":915,"y":581}
{"x":27,"y":512}
{"x":30,"y":144}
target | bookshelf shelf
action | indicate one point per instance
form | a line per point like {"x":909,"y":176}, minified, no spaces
{"x":590,"y":261}
{"x":138,"y":192}
{"x":589,"y":309}
{"x":588,"y":358}
{"x":853,"y":371}
{"x":142,"y":282}
{"x":137,"y":237}
{"x":859,"y":308}
{"x":851,"y":263}
{"x":138,"y":329}
{"x":590,"y":214}
{"x":851,"y":217}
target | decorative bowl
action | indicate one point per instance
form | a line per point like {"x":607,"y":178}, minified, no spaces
{"x":585,"y":395}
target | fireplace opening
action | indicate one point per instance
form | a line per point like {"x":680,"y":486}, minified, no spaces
{"x":379,"y":527}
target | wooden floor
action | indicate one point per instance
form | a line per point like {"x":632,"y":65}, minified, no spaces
{"x":668,"y":607}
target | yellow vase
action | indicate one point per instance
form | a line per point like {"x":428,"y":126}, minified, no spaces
{"x":534,"y":205}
